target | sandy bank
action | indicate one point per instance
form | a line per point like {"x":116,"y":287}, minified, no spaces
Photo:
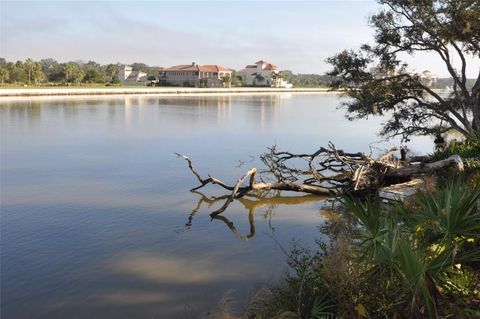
{"x":147,"y":90}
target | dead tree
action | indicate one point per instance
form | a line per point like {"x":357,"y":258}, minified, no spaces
{"x":327,"y":171}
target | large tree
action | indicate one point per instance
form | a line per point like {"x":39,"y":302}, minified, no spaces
{"x":111,"y":73}
{"x":378,"y":82}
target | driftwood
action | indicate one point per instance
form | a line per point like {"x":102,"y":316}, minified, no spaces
{"x":453,"y":161}
{"x":327,"y":171}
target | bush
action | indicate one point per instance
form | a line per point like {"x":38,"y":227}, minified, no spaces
{"x":396,"y":261}
{"x":468,"y":150}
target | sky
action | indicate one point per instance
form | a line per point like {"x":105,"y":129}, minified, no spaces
{"x":295,"y":35}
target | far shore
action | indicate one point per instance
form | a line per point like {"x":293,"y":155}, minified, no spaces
{"x":17,"y":92}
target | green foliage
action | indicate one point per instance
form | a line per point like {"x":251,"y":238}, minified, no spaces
{"x":3,"y":75}
{"x":322,"y":308}
{"x":451,"y":212}
{"x":380,"y":83}
{"x":93,"y":76}
{"x":33,"y":71}
{"x":49,"y":71}
{"x":16,"y":72}
{"x":52,"y":70}
{"x":306,"y":80}
{"x":226,"y":80}
{"x":150,"y":70}
{"x":237,"y":80}
{"x":111,"y":73}
{"x":402,"y":261}
{"x":468,"y":150}
{"x":72,"y":73}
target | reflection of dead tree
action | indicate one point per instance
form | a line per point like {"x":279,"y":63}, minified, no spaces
{"x":203,"y":199}
{"x":327,"y":171}
{"x":250,"y":202}
{"x":234,"y":230}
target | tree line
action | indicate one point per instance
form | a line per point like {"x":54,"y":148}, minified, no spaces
{"x":50,"y":71}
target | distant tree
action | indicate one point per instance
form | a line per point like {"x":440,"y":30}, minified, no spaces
{"x":226,"y":80}
{"x":33,"y":71}
{"x":111,"y":73}
{"x":378,"y":82}
{"x":237,"y":79}
{"x":72,"y":72}
{"x":93,"y":76}
{"x":16,"y":72}
{"x":51,"y":69}
{"x":90,"y":65}
{"x":150,"y":70}
{"x":306,"y":80}
{"x":140,"y":67}
{"x":3,"y":74}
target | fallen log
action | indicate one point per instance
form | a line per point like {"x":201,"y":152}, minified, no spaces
{"x":453,"y":161}
{"x":327,"y":171}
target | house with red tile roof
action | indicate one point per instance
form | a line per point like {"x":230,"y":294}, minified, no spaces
{"x":263,"y":73}
{"x":197,"y":75}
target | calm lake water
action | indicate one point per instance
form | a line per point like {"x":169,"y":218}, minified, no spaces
{"x":97,"y":220}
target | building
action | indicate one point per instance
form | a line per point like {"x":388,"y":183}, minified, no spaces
{"x":428,"y":77}
{"x":263,"y":73}
{"x":379,"y":72}
{"x":197,"y":75}
{"x":127,"y":75}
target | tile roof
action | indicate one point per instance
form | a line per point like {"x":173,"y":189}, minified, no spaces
{"x":212,"y":68}
{"x":183,"y":67}
{"x":270,"y":67}
{"x":203,"y":68}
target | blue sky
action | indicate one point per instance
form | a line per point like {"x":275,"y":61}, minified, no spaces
{"x":296,"y":35}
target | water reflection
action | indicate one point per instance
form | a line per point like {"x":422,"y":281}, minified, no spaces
{"x":216,"y":111}
{"x":251,"y":203}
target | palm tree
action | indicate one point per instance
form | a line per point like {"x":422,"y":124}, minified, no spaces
{"x":420,"y":250}
{"x":226,"y":80}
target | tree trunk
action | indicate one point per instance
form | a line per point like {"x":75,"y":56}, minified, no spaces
{"x":409,"y":171}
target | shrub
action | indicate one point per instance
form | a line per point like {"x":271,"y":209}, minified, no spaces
{"x":393,"y":261}
{"x":468,"y":150}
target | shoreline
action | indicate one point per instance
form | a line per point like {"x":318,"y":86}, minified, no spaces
{"x":26,"y":92}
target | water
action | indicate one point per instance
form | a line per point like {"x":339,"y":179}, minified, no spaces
{"x":96,"y":217}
